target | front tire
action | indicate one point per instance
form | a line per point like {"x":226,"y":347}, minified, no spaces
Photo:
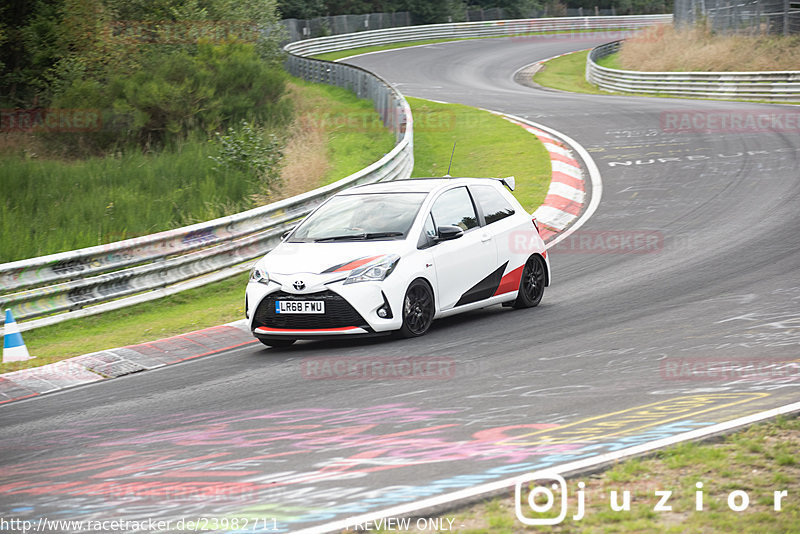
{"x":418,"y":310}
{"x":531,"y":286}
{"x":277,"y":343}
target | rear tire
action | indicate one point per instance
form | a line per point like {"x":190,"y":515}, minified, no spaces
{"x":418,"y":310}
{"x":277,"y":343}
{"x":531,"y":286}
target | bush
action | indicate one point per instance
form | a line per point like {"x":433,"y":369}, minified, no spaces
{"x":177,"y":93}
{"x":253,"y":151}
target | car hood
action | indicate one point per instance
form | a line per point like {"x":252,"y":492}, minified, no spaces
{"x":336,"y":259}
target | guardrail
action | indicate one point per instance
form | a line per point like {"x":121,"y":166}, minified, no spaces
{"x":778,"y":86}
{"x":466,"y":30}
{"x":62,"y":286}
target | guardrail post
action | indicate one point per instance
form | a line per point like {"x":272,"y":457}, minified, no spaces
{"x":786,"y":7}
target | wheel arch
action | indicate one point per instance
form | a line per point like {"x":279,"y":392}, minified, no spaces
{"x":546,"y":268}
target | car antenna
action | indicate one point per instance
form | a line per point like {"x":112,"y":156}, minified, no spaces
{"x":451,"y":160}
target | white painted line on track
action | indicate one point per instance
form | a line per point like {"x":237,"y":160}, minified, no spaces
{"x":571,"y":467}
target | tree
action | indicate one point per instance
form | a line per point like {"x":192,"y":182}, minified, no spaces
{"x":301,"y":9}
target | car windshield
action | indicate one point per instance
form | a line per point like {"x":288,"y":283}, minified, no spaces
{"x":361,"y":216}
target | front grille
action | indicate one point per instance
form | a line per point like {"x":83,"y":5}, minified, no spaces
{"x":338,"y":313}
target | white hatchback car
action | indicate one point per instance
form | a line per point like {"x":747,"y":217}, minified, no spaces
{"x":394,"y":256}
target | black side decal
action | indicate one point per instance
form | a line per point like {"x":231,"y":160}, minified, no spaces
{"x":483,"y":289}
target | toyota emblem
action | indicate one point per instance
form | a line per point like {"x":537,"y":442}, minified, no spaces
{"x":299,"y":285}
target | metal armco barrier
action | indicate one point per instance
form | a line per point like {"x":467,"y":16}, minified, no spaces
{"x":777,"y":86}
{"x":70,"y":284}
{"x":464,"y":30}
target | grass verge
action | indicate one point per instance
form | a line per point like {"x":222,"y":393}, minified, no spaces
{"x":758,"y":461}
{"x":487,"y":146}
{"x":346,"y":135}
{"x":566,"y":73}
{"x":611,"y":62}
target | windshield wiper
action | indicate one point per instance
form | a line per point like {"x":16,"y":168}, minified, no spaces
{"x":358,"y":237}
{"x":348,"y":237}
{"x":378,"y":235}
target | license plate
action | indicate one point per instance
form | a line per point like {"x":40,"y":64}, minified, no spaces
{"x":299,"y":306}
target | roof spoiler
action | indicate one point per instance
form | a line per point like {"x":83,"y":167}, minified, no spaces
{"x":508,"y":181}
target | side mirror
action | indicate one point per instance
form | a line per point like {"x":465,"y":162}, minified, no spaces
{"x":446,"y":233}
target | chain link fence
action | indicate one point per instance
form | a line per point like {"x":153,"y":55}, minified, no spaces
{"x":753,"y":17}
{"x":298,"y":29}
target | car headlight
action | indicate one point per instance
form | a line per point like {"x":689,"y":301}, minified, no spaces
{"x":257,"y":274}
{"x":375,"y":271}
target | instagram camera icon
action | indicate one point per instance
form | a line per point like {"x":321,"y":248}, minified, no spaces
{"x":547,"y":484}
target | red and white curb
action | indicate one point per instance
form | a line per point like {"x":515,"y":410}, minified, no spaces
{"x":113,"y":363}
{"x":566,"y":197}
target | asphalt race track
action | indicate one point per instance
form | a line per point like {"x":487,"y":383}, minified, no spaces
{"x":696,"y":328}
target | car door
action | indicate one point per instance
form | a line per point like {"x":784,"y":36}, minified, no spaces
{"x":500,"y":223}
{"x":497,"y":216}
{"x":466,"y":266}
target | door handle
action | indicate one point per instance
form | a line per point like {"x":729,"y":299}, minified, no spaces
{"x":485,"y":238}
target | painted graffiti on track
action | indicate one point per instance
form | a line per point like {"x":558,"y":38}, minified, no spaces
{"x":231,"y":464}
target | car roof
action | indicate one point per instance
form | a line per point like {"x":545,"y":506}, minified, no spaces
{"x":412,"y":185}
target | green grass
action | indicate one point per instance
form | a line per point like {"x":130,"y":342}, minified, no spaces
{"x":356,"y":135}
{"x":759,"y":471}
{"x":611,"y":61}
{"x":487,"y":146}
{"x":51,"y":205}
{"x":566,"y":73}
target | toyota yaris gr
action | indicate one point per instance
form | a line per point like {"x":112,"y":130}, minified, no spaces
{"x":394,"y":256}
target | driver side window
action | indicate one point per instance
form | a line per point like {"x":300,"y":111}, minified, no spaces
{"x":454,"y":208}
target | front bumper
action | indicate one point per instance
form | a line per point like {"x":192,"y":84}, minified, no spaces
{"x":349,"y":309}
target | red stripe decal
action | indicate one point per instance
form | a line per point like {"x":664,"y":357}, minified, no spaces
{"x":355,"y":264}
{"x":267,"y":330}
{"x":510,"y":281}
